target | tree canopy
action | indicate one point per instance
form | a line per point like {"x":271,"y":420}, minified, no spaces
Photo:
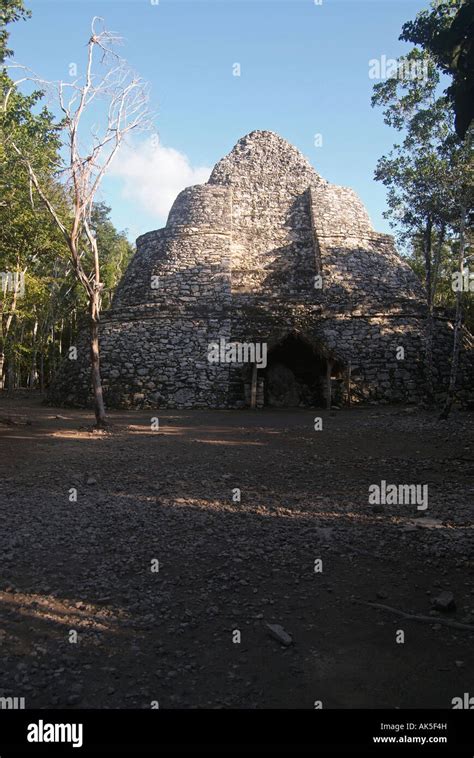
{"x":446,"y":32}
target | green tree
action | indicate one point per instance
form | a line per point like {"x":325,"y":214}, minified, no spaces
{"x":426,"y":175}
{"x":446,"y":32}
{"x":27,"y":235}
{"x":10,"y":11}
{"x":116,"y":250}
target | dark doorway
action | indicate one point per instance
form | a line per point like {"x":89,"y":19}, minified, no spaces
{"x":295,"y":375}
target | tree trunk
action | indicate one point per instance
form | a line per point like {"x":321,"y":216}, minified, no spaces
{"x":41,"y":370}
{"x":99,"y":408}
{"x":61,"y":330}
{"x":5,"y":331}
{"x":427,"y":243}
{"x":33,"y":357}
{"x":11,"y":373}
{"x":437,"y":260}
{"x":52,"y":356}
{"x":2,"y":337}
{"x":457,"y":324}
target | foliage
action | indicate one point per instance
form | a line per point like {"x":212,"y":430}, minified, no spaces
{"x":10,"y":11}
{"x":446,"y":31}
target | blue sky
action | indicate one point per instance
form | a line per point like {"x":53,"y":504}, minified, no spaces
{"x":303,"y":71}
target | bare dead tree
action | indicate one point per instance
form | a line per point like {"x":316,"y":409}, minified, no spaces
{"x":110,"y":93}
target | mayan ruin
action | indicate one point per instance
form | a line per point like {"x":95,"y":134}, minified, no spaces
{"x":265,"y":253}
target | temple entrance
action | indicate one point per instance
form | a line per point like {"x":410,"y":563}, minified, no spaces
{"x":295,"y":375}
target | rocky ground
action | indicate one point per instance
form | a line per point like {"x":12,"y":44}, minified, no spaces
{"x":143,"y":495}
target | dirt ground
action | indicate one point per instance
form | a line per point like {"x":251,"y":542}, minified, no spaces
{"x":85,"y":566}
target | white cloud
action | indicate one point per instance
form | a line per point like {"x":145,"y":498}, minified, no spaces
{"x":153,"y":174}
